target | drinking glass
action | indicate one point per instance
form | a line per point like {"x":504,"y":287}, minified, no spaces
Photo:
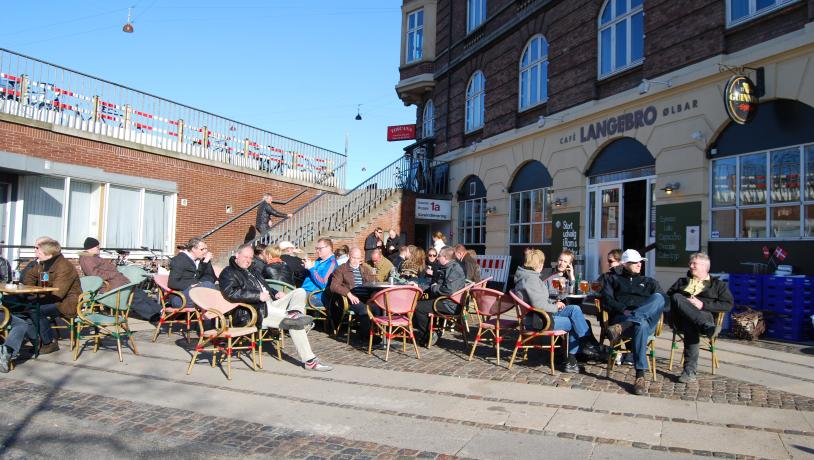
{"x":583,"y":286}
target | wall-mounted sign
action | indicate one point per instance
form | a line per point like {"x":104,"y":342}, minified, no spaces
{"x":433,"y":209}
{"x":565,"y":234}
{"x":678,"y":233}
{"x":740,"y":99}
{"x":400,"y":133}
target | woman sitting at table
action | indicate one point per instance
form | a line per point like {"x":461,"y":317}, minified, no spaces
{"x":61,"y":275}
{"x":413,"y":268}
{"x":534,"y":291}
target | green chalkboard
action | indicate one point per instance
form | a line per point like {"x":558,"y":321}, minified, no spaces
{"x":678,"y":233}
{"x":565,"y":233}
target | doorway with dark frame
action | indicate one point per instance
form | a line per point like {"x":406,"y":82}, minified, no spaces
{"x":634,"y":227}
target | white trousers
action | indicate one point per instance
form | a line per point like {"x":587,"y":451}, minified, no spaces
{"x":278,"y":309}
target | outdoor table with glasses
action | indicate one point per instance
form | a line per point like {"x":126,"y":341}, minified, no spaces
{"x":34,"y":302}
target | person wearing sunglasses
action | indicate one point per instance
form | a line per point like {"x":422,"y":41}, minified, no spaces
{"x":431,"y":270}
{"x":319,"y":272}
{"x":373,"y":242}
{"x":635,"y":303}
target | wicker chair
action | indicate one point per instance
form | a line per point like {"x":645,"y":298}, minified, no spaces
{"x":398,"y":304}
{"x":620,"y":348}
{"x":170,"y":315}
{"x":489,"y":306}
{"x":526,"y":338}
{"x":107,"y":316}
{"x":706,"y":344}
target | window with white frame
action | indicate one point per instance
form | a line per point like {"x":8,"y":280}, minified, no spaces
{"x":534,"y":73}
{"x":621,"y":35}
{"x":70,"y":210}
{"x":530,"y":217}
{"x":767,"y":194}
{"x":475,"y":14}
{"x":428,"y":119}
{"x":738,"y":11}
{"x":472,"y":221}
{"x":475,"y":93}
{"x":415,"y":35}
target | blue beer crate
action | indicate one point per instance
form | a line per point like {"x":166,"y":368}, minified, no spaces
{"x":794,"y":328}
{"x":788,"y":294}
{"x":747,"y":289}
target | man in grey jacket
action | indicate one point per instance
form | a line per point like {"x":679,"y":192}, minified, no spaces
{"x":534,"y":291}
{"x":452,"y":279}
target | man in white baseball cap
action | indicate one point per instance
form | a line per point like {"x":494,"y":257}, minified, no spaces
{"x":634,"y":303}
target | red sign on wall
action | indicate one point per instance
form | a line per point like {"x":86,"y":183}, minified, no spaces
{"x":400,"y":133}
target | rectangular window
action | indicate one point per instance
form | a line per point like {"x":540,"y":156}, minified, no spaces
{"x":472,"y":221}
{"x":84,"y":200}
{"x":123,"y":208}
{"x":743,"y":10}
{"x":774,"y":191}
{"x":530,"y":217}
{"x":157,"y":214}
{"x":415,"y":35}
{"x":610,"y":214}
{"x":44,"y":200}
{"x":475,"y":14}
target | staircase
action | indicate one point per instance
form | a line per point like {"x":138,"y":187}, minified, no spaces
{"x":344,"y":216}
{"x":340,"y":216}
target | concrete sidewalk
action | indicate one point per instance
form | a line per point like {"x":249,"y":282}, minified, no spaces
{"x":424,"y":412}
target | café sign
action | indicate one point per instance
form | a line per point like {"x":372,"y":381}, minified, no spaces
{"x":433,"y":209}
{"x":740,"y":99}
{"x":400,"y":133}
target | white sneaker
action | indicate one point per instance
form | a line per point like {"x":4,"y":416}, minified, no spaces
{"x":316,"y":365}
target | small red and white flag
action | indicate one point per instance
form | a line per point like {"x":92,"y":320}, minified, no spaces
{"x":766,"y":252}
{"x":780,"y":254}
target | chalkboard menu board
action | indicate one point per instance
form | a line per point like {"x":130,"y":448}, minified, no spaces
{"x":678,"y":233}
{"x":565,"y":234}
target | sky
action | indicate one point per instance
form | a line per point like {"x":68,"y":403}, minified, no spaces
{"x":298,"y":68}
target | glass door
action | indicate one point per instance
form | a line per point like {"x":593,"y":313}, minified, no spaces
{"x":604,"y":226}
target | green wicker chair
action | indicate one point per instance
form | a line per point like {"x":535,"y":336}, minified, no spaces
{"x":106,"y":315}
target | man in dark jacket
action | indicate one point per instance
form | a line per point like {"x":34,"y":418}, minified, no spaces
{"x":191,"y":267}
{"x":93,"y":265}
{"x":470,"y":266}
{"x":634,"y":303}
{"x":264,"y":214}
{"x":373,"y":242}
{"x":451,"y":280}
{"x":694,"y":299}
{"x":239,"y":283}
{"x":394,"y":244}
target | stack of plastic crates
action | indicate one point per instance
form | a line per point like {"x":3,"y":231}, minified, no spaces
{"x":789,"y":303}
{"x":747,"y":290}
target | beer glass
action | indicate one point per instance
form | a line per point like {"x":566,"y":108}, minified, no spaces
{"x":583,"y":286}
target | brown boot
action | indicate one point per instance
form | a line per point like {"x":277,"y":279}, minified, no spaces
{"x":640,"y":387}
{"x":49,"y":347}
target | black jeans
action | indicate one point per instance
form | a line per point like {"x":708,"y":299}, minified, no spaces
{"x":421,"y":318}
{"x":689,"y":320}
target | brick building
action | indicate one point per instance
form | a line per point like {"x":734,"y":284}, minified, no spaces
{"x":83,"y":157}
{"x":597,"y":124}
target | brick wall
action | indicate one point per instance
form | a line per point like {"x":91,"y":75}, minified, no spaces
{"x":208,"y":189}
{"x":677,"y":34}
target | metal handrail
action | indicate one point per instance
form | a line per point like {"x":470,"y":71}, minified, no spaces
{"x":331,"y":212}
{"x":38,"y":90}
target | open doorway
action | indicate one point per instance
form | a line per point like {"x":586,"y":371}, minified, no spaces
{"x":634,"y":227}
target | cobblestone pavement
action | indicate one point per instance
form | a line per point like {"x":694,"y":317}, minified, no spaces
{"x":136,"y":419}
{"x":450,"y":358}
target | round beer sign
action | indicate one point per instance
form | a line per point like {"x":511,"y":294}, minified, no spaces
{"x":740,"y":99}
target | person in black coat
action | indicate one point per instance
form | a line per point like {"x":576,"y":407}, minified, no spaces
{"x":264,"y":213}
{"x":694,"y":299}
{"x":191,"y":267}
{"x":452,"y":279}
{"x":275,"y":267}
{"x":394,"y":245}
{"x":373,"y":242}
{"x":634,"y":303}
{"x":239,"y":283}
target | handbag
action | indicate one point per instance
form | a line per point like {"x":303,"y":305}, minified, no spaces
{"x":748,"y":323}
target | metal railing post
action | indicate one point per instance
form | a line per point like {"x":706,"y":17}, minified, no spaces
{"x":24,"y":89}
{"x":128,"y":115}
{"x":96,"y":111}
{"x":180,"y":131}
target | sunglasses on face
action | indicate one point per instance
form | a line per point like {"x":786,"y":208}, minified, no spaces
{"x":432,"y":255}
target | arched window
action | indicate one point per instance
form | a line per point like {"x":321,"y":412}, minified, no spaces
{"x":534,"y":73}
{"x":475,"y":93}
{"x":621,"y":35}
{"x":475,"y":14}
{"x":427,"y":120}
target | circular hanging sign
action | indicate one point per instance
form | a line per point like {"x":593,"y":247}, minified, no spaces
{"x":740,"y":99}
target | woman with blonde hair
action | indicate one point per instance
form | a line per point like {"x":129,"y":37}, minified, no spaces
{"x":533,"y":290}
{"x":438,"y":241}
{"x":413,"y":268}
{"x":276,"y":268}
